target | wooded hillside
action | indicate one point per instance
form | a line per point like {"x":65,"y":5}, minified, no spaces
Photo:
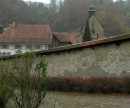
{"x":70,"y":15}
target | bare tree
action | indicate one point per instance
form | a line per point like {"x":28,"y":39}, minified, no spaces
{"x":30,"y":81}
{"x":5,"y":93}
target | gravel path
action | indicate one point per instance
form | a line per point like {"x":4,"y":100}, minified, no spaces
{"x":75,"y":100}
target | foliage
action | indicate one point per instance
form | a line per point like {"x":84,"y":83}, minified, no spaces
{"x":87,"y":33}
{"x":17,"y":80}
{"x":26,"y":94}
{"x":68,"y":15}
{"x":5,"y":92}
{"x":119,"y":85}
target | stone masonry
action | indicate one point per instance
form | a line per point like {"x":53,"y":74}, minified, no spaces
{"x":99,"y":61}
{"x":98,"y":58}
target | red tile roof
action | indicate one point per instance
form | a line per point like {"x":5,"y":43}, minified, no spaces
{"x":114,"y":39}
{"x":66,"y":37}
{"x":28,"y":33}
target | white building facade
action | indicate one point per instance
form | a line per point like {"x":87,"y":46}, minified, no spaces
{"x":7,"y":49}
{"x":21,"y":38}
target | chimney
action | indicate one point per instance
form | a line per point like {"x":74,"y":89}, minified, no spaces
{"x":14,"y":23}
{"x":1,"y":29}
{"x":91,"y":11}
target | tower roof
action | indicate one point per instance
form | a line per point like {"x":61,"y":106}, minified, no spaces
{"x":92,"y":9}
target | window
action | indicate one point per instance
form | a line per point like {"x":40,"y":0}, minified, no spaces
{"x":4,"y":46}
{"x":3,"y":54}
{"x":38,"y":47}
{"x":97,"y":36}
{"x":18,"y":52}
{"x":17,"y":47}
{"x":93,"y":30}
{"x":92,"y":25}
{"x":46,"y":46}
{"x":28,"y":47}
{"x":8,"y":54}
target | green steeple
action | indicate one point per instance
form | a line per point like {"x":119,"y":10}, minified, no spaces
{"x":91,"y":11}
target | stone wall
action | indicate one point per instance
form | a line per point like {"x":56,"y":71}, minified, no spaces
{"x":99,"y":61}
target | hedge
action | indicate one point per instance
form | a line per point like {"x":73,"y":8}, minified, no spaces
{"x":119,"y":85}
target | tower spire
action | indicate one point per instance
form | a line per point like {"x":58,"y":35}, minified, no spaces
{"x":92,"y":11}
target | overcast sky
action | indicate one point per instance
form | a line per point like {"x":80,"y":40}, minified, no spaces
{"x":44,"y":1}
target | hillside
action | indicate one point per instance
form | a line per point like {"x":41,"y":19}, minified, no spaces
{"x":70,"y":15}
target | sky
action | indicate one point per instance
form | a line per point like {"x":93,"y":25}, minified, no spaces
{"x":44,"y":1}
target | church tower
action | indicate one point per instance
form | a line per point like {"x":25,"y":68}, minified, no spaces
{"x":92,"y":11}
{"x":96,"y":29}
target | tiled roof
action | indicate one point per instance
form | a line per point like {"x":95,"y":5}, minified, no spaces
{"x":27,"y":33}
{"x":66,"y":37}
{"x":115,"y":39}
